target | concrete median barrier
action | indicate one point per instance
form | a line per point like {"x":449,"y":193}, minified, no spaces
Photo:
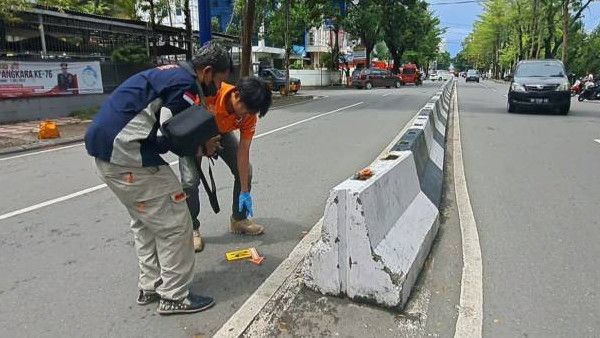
{"x":377,"y":233}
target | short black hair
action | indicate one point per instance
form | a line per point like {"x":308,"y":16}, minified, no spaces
{"x":255,"y":94}
{"x":215,"y":55}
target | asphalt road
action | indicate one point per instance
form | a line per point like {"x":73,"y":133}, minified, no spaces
{"x":534,"y":187}
{"x":68,"y":269}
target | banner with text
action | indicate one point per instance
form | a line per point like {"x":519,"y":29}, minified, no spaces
{"x":26,"y":79}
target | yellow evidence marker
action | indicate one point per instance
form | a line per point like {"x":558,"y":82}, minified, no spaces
{"x":238,"y":255}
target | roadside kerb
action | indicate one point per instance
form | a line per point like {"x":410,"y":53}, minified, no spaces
{"x":377,"y":233}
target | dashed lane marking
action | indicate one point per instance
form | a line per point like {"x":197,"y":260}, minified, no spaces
{"x":100,"y":186}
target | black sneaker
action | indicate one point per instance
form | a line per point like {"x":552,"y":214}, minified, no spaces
{"x":193,"y":303}
{"x":147,"y":297}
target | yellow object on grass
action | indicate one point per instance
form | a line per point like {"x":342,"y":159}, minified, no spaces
{"x":48,"y":129}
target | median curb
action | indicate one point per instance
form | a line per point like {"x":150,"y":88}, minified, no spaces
{"x":39,"y":145}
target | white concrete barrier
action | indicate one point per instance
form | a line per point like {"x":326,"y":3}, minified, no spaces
{"x":377,"y":233}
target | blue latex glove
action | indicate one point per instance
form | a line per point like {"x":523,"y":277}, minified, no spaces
{"x":245,"y":203}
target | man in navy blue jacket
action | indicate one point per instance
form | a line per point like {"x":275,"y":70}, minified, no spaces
{"x":126,"y":142}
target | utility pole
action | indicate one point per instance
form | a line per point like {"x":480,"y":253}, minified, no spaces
{"x":287,"y":47}
{"x":188,"y":30}
{"x":247,"y":30}
{"x":204,"y":20}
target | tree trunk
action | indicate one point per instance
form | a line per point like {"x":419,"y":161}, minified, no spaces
{"x":566,"y":29}
{"x":188,"y":30}
{"x":369,"y":48}
{"x":247,"y":30}
{"x":335,"y":50}
{"x":534,"y":30}
{"x":551,"y":25}
{"x":396,"y":58}
{"x":2,"y":35}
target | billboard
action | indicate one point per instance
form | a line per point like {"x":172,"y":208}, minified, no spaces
{"x":26,"y":79}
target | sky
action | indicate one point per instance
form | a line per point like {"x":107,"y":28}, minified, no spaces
{"x":458,"y":18}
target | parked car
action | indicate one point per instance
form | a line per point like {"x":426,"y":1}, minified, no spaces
{"x":540,"y":84}
{"x":275,"y":78}
{"x":472,"y":75}
{"x":372,"y":77}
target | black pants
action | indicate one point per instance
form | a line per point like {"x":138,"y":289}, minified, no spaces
{"x":190,"y":178}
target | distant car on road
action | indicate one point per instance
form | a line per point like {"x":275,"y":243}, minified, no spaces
{"x":472,"y":75}
{"x":443,"y":75}
{"x":373,"y":77}
{"x":541,"y":84}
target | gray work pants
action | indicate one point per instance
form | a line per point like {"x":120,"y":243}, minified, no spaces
{"x":161,"y":225}
{"x":190,"y":178}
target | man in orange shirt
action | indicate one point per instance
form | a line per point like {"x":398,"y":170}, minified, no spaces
{"x":235,"y":108}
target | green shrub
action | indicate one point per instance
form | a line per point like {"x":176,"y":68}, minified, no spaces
{"x":85,"y":113}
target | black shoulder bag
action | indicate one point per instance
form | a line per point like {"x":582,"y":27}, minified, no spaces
{"x":212,"y":190}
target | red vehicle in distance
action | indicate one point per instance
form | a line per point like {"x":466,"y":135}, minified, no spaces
{"x":410,"y":74}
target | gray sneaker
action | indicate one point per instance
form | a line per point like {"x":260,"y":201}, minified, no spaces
{"x":193,"y":303}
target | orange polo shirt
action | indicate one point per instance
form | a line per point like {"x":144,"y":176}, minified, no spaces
{"x":229,"y":122}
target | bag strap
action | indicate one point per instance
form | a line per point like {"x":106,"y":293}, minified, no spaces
{"x":210,"y":191}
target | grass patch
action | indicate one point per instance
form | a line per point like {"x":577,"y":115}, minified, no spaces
{"x":85,"y":113}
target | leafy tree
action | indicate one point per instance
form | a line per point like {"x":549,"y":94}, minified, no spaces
{"x":10,"y":8}
{"x":410,"y":31}
{"x":381,"y":51}
{"x":443,"y":60}
{"x":132,"y":54}
{"x":460,"y":62}
{"x":364,"y":21}
{"x":512,"y":30}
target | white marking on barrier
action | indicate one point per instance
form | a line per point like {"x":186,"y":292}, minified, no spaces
{"x":597,"y":140}
{"x":470,"y":313}
{"x":98,"y":187}
{"x":41,"y":152}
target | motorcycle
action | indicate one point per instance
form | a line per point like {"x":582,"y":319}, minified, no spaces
{"x":577,"y":88}
{"x":590,"y":93}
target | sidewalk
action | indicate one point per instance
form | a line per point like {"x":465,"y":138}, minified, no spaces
{"x":22,"y":136}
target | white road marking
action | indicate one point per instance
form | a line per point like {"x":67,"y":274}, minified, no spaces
{"x":41,"y":152}
{"x":52,"y":201}
{"x":308,"y":119}
{"x":81,"y":143}
{"x":486,"y":87}
{"x":470,"y":312}
{"x":384,"y":95}
{"x":98,"y":187}
{"x":597,"y":140}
